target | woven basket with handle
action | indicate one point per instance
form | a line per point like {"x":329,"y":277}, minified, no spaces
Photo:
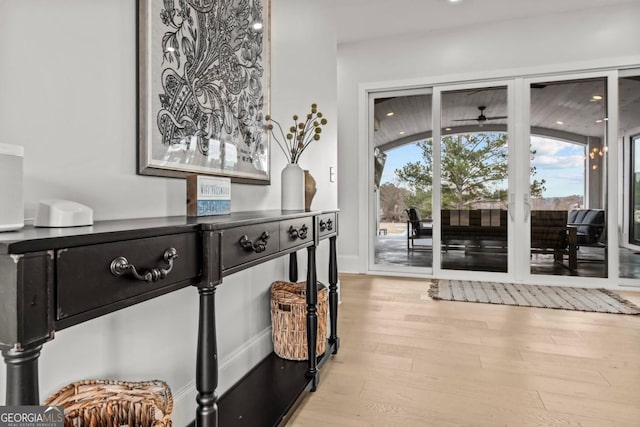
{"x":289,"y":319}
{"x":112,"y":403}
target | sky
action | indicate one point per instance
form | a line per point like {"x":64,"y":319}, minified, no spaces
{"x":560,"y":163}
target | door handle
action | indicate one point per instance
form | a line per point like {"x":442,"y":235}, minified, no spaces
{"x":527,"y":207}
{"x":512,"y":206}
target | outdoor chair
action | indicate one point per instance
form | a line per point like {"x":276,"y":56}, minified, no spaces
{"x":550,"y":234}
{"x":417,"y":228}
{"x":590,"y":227}
{"x":589,"y":224}
{"x":474,"y":229}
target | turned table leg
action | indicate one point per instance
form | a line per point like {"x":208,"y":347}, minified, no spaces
{"x":333,"y":295}
{"x":312,"y":316}
{"x":207,"y":352}
{"x":293,"y":267}
{"x":22,"y":376}
{"x":207,"y":362}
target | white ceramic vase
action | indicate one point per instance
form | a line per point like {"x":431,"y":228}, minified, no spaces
{"x":292,"y":187}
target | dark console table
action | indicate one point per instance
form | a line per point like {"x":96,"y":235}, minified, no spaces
{"x":51,"y":279}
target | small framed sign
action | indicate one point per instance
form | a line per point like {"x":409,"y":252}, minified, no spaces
{"x":207,"y":195}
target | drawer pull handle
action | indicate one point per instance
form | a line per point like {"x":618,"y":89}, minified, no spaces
{"x":326,"y":225}
{"x":259,"y":246}
{"x":120,"y":266}
{"x":302,"y":233}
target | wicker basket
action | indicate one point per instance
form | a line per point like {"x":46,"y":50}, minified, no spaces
{"x":289,"y":319}
{"x":115,"y":403}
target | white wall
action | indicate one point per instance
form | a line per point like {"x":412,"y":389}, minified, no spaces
{"x":599,"y":37}
{"x":68,"y":95}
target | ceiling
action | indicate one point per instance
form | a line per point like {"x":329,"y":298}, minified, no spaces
{"x":359,"y":20}
{"x":565,"y":110}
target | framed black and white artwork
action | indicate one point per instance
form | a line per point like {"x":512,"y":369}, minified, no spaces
{"x":203,"y":88}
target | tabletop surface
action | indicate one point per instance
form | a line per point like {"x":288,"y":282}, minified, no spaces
{"x":30,"y":238}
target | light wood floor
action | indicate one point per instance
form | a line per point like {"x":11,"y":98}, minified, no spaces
{"x":406,"y":360}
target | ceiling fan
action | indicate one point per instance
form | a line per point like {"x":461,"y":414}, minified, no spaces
{"x":481,"y":118}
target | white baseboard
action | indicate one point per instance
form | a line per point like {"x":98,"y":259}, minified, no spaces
{"x":349,"y":264}
{"x":184,"y":405}
{"x":231,"y":369}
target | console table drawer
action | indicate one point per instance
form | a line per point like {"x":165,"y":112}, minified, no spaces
{"x":296,"y":232}
{"x":326,"y":224}
{"x":85,"y":281}
{"x":245,"y":244}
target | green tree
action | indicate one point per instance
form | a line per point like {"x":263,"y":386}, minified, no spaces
{"x":393,"y":202}
{"x":537,"y":186}
{"x":421,"y":200}
{"x":473,"y":168}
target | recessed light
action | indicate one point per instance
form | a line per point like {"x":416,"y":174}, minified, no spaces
{"x":447,"y":128}
{"x":596,"y":98}
{"x":390,"y":113}
{"x":599,"y":121}
{"x":455,"y":1}
{"x":559,"y":122}
{"x":606,"y":119}
{"x":402,"y":132}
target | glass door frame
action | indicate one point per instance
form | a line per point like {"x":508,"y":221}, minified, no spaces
{"x":622,"y":184}
{"x":438,"y":271}
{"x":372,"y":267}
{"x":523,"y":269}
{"x":629,"y":138}
{"x":518,"y":128}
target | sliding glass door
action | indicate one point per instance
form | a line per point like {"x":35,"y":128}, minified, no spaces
{"x":629,"y":175}
{"x":634,"y":193}
{"x":400,"y":187}
{"x":567,"y":200}
{"x":512,"y":180}
{"x":474,"y":179}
